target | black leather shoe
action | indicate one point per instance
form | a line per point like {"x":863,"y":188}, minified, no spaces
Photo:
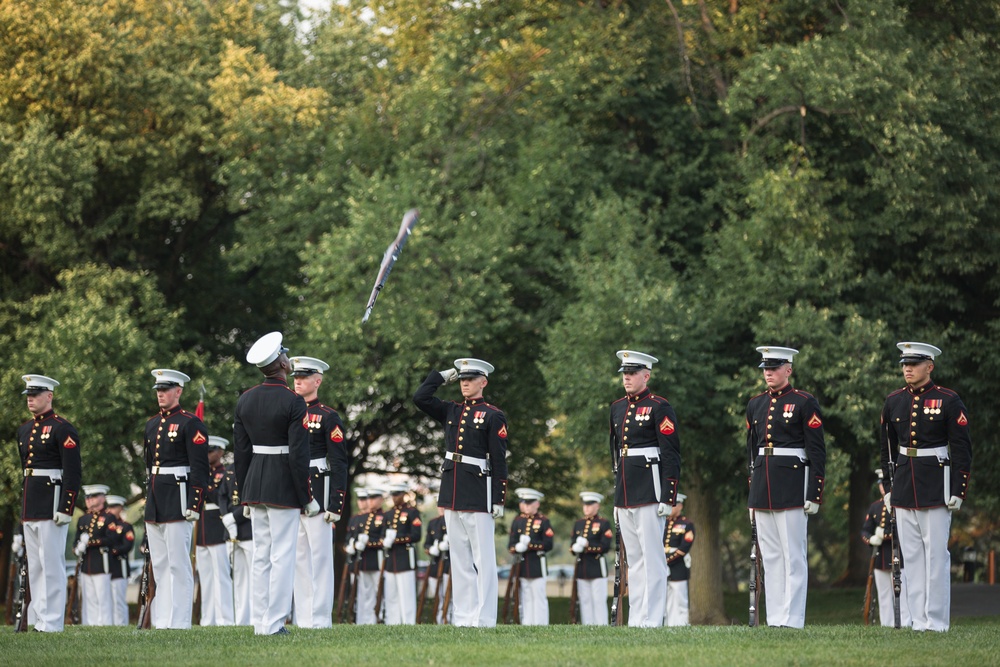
{"x":281,"y":631}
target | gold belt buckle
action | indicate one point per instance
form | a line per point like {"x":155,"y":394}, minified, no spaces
{"x":29,"y":472}
{"x":457,"y":458}
{"x":769,"y":451}
{"x":911,"y":451}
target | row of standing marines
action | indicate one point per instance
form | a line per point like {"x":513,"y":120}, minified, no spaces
{"x":288,"y":484}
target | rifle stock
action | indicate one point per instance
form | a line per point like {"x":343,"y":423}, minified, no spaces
{"x":73,"y":597}
{"x":381,"y":591}
{"x":147,"y":591}
{"x":756,"y":572}
{"x":447,"y":602}
{"x":12,"y":586}
{"x":23,"y":599}
{"x":510,"y":594}
{"x":866,"y":612}
{"x":422,"y":596}
{"x":344,"y":591}
{"x":574,"y":602}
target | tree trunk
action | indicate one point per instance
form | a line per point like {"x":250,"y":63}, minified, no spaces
{"x":705,"y":587}
{"x":861,"y":496}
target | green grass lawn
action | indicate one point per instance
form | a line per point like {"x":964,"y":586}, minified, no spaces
{"x":833,"y":636}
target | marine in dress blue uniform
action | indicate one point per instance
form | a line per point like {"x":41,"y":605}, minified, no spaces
{"x":531,"y":537}
{"x":403,"y":529}
{"x":436,"y":546}
{"x":96,"y":534}
{"x":271,"y":448}
{"x":120,"y":568}
{"x":239,"y":546}
{"x":176,"y":450}
{"x":473,"y":485}
{"x":678,"y":537}
{"x":355,"y":525}
{"x":49,"y":446}
{"x":646,"y":454}
{"x":786,"y":454}
{"x":211,"y":554}
{"x":877,"y":533}
{"x":368,"y":548}
{"x":315,"y":583}
{"x":925,"y":433}
{"x":592,"y":536}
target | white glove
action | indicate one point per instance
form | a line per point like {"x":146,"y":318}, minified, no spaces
{"x":954,"y":504}
{"x":810,"y":507}
{"x":62,"y":519}
{"x":880,"y":533}
{"x":443,"y":545}
{"x":663,"y":509}
{"x":331,"y":517}
{"x":17,"y":545}
{"x":449,"y":375}
{"x":81,"y":545}
{"x":312,"y":509}
{"x":190,"y":515}
{"x":876,"y":539}
{"x":576,"y":548}
{"x":580,"y":544}
{"x":434,"y":550}
{"x":361,"y":542}
{"x":246,"y":511}
{"x":229,"y":521}
{"x":888,"y":500}
{"x":520,"y":547}
{"x":350,"y":548}
{"x":498,"y":511}
{"x":687,"y":561}
{"x":389,"y":539}
{"x":524,"y":539}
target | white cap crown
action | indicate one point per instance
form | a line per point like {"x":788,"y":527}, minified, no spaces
{"x":36,"y":384}
{"x":266,"y":349}
{"x":773,"y":356}
{"x":468,"y":367}
{"x":635,"y":361}
{"x":913,"y":352}
{"x":166,"y":378}
{"x":591,"y":497}
{"x":308,"y":366}
{"x":528,"y":495}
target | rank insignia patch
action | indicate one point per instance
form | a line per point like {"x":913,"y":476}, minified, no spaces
{"x":503,"y":431}
{"x":962,"y":419}
{"x":69,"y":443}
{"x":666,"y":426}
{"x":815,"y":422}
{"x":337,"y":435}
{"x":199,"y":438}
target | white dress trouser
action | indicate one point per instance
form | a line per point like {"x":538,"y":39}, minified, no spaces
{"x":314,"y":576}
{"x":473,"y":568}
{"x":275,"y":532}
{"x":242,"y":571}
{"x":119,"y":604}
{"x":216,"y":585}
{"x":170,"y":551}
{"x":883,"y":584}
{"x":592,"y":598}
{"x":364,"y":613}
{"x":400,"y":598}
{"x":782,"y":538}
{"x":677,"y":604}
{"x":95,"y":605}
{"x":45,"y":545}
{"x":923,"y":541}
{"x":642,"y":536}
{"x":534,"y":604}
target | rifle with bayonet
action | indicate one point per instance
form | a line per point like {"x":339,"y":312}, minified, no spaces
{"x":22,"y":594}
{"x":511,"y":596}
{"x":869,"y":585}
{"x":147,"y":590}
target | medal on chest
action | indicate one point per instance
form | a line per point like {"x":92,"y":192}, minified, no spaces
{"x":932,"y":406}
{"x":789,"y":410}
{"x":479,"y":417}
{"x":46,"y":432}
{"x":172,"y":431}
{"x":644,"y":414}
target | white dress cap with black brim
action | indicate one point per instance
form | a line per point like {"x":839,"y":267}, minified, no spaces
{"x":913,"y":353}
{"x":36,"y":384}
{"x":217,"y":441}
{"x":302,"y":366}
{"x":775,"y":357}
{"x":114,"y":501}
{"x":95,"y":489}
{"x":632,"y":361}
{"x":591,"y":497}
{"x":362,"y":493}
{"x":470,"y":368}
{"x":376,"y":492}
{"x":167,"y":378}
{"x":525,"y":494}
{"x":267,"y":348}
